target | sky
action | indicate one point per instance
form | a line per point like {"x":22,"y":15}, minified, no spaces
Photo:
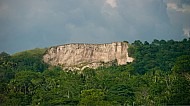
{"x":29,"y":24}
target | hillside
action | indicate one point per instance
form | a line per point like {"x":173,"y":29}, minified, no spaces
{"x":158,"y":75}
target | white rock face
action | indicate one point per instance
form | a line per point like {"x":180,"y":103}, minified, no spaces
{"x":80,"y":56}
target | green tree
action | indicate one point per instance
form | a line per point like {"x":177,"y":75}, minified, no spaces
{"x":182,"y":64}
{"x":93,"y":97}
{"x":180,"y":92}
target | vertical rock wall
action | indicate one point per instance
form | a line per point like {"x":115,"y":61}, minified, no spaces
{"x":79,"y":56}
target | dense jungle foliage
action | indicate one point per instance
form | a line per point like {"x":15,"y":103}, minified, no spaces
{"x":159,"y":75}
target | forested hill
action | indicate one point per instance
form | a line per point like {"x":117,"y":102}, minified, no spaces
{"x":159,"y":75}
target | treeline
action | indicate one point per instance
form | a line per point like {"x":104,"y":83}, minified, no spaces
{"x":159,"y":75}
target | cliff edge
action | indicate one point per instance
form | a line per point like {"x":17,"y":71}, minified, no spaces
{"x":80,"y":56}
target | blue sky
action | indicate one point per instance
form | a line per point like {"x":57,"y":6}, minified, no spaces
{"x":28,"y":24}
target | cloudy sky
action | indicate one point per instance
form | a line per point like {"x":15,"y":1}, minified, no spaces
{"x":28,"y":24}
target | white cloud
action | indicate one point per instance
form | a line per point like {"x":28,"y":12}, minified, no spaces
{"x":186,"y":32}
{"x":112,"y":3}
{"x":179,"y":13}
{"x":174,"y":6}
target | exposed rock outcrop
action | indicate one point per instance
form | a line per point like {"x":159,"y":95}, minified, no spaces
{"x":80,"y":56}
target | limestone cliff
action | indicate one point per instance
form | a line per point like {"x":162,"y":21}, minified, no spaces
{"x":80,"y":56}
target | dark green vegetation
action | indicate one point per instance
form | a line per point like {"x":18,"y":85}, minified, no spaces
{"x":160,"y":75}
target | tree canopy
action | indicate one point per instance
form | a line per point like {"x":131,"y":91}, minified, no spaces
{"x":159,"y":75}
